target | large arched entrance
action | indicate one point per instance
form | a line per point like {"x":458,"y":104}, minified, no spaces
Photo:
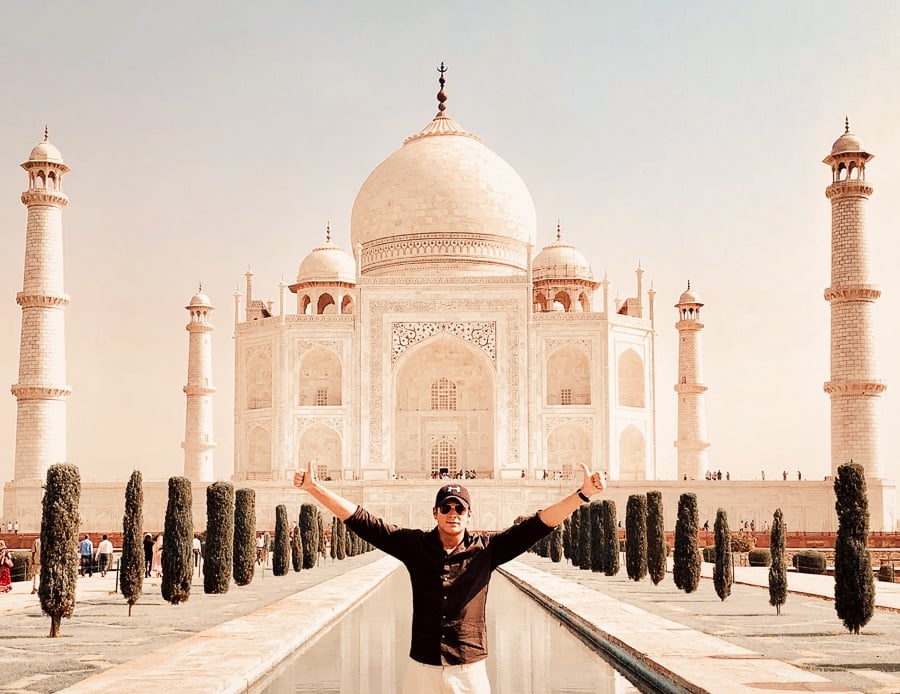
{"x":444,"y":411}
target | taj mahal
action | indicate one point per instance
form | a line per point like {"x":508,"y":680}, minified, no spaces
{"x":446,"y":340}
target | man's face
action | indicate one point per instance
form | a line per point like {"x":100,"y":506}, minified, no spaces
{"x":452,"y":516}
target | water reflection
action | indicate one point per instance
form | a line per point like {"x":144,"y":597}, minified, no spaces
{"x":366,"y":652}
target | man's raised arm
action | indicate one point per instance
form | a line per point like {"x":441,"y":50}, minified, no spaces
{"x":594,"y":483}
{"x":338,"y":505}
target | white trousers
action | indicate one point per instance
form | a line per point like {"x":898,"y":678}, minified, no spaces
{"x":446,"y":679}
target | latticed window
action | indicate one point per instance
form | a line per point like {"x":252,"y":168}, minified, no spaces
{"x":321,"y":397}
{"x":321,"y":471}
{"x":565,"y":396}
{"x":443,"y":395}
{"x":443,"y":458}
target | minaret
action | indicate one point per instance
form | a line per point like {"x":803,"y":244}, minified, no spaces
{"x":41,"y":391}
{"x":854,"y":388}
{"x":691,"y":443}
{"x":198,"y":423}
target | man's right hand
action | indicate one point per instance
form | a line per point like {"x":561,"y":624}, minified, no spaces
{"x":305,"y":479}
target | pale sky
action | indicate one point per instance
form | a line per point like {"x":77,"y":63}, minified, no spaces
{"x":688,"y":137}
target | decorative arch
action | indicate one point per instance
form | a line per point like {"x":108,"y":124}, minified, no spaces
{"x":562,"y":302}
{"x":443,"y":359}
{"x":631,"y":379}
{"x":259,"y":451}
{"x":321,"y":445}
{"x":541,"y":302}
{"x":321,"y":381}
{"x":443,"y":394}
{"x":567,"y":446}
{"x":568,"y":377}
{"x":325,"y":304}
{"x":259,"y":381}
{"x":444,"y":458}
{"x":347,"y":305}
{"x":632,"y":454}
{"x":304,"y":305}
{"x":585,"y":302}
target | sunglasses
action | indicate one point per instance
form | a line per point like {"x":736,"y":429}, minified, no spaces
{"x":446,"y":508}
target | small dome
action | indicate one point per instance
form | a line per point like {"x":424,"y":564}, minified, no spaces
{"x":561,"y":260}
{"x":327,"y":263}
{"x":688,"y":296}
{"x":200,"y":299}
{"x":848,"y":142}
{"x":44,"y":151}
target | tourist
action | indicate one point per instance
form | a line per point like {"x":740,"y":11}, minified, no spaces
{"x":35,"y":565}
{"x":156,"y":567}
{"x":784,"y":474}
{"x":799,"y":476}
{"x":260,"y":548}
{"x":148,"y":554}
{"x":449,"y":641}
{"x":9,"y":526}
{"x":86,"y":550}
{"x":16,"y":528}
{"x":195,"y":548}
{"x":6,"y":562}
{"x":105,"y":550}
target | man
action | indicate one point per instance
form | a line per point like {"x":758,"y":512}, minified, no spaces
{"x":86,"y":550}
{"x":449,"y":569}
{"x":261,"y":549}
{"x":105,"y":550}
{"x":196,"y":546}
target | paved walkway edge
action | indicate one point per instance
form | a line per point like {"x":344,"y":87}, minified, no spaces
{"x":666,"y":654}
{"x":240,"y":655}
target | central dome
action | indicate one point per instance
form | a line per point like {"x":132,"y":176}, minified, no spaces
{"x":443,"y":199}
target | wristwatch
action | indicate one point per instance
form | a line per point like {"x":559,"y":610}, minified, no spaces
{"x":585,"y":499}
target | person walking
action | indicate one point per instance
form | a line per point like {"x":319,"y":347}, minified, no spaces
{"x":35,"y":565}
{"x":6,"y":563}
{"x":449,"y":569}
{"x":105,"y":550}
{"x":86,"y":550}
{"x":156,"y":561}
{"x":148,"y":554}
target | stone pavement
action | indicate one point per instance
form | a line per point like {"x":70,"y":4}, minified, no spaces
{"x":739,"y":644}
{"x":807,"y":634}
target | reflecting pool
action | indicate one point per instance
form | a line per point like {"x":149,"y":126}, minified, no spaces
{"x":366,"y":651}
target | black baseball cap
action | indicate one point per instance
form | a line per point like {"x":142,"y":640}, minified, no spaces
{"x":453,"y":491}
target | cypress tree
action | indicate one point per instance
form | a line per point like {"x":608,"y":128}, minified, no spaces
{"x":217,"y":564}
{"x":610,"y":539}
{"x":178,"y":538}
{"x":854,"y":583}
{"x":131,"y":568}
{"x":334,"y":534}
{"x":309,"y":530}
{"x":341,"y":541}
{"x":320,"y":535}
{"x":686,"y":569}
{"x":656,"y":537}
{"x":244,"y":554}
{"x":574,"y":538}
{"x":636,"y":537}
{"x":296,"y":548}
{"x":567,"y":537}
{"x":281,"y":553}
{"x":346,"y":534}
{"x":556,"y":544}
{"x":59,"y":543}
{"x":585,"y":539}
{"x":778,"y":568}
{"x":595,"y":517}
{"x":723,"y":571}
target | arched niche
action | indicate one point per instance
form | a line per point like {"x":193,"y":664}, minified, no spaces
{"x":347,"y":305}
{"x":631,"y":379}
{"x":259,"y":452}
{"x":259,"y":381}
{"x":632,"y":454}
{"x":320,"y":379}
{"x":326,"y":304}
{"x":418,"y":426}
{"x":567,"y":447}
{"x":568,"y":377}
{"x":320,"y":445}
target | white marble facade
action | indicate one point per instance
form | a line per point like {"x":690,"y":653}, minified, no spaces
{"x":444,"y":343}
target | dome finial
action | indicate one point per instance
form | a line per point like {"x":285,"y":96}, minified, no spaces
{"x":46,"y":133}
{"x":328,"y":232}
{"x":846,"y":124}
{"x":441,"y":95}
{"x":199,"y":287}
{"x":558,"y":231}
{"x":689,"y":285}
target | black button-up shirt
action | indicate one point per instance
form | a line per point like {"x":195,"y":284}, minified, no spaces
{"x":449,"y":590}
